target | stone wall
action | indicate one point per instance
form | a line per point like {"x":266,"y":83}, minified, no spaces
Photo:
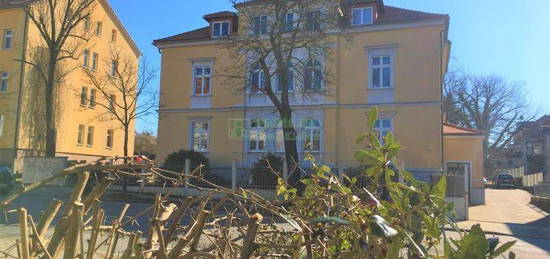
{"x":35,"y":169}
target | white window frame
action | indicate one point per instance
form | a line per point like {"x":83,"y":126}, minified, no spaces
{"x":221,"y":35}
{"x":4,"y":77}
{"x":114,"y":67}
{"x":286,"y":22}
{"x":260,"y":134}
{"x":81,"y":134}
{"x":86,"y":58}
{"x":316,"y":24}
{"x":87,"y":23}
{"x":380,"y":129}
{"x":99,"y":29}
{"x":381,"y":53}
{"x":84,"y":96}
{"x":95,"y":59}
{"x":363,"y":22}
{"x":261,"y":79}
{"x":110,"y":138}
{"x":2,"y":125}
{"x":201,"y":132}
{"x":312,"y":66}
{"x":90,"y":136}
{"x":309,"y":135}
{"x":93,"y":98}
{"x":253,"y":25}
{"x":203,"y":76}
{"x":7,"y":42}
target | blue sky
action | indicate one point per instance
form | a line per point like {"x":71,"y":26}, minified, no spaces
{"x":508,"y":38}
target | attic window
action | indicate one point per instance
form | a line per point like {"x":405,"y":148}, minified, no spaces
{"x":361,"y":16}
{"x":220,"y":29}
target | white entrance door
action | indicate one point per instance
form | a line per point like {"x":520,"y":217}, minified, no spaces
{"x":464,"y":169}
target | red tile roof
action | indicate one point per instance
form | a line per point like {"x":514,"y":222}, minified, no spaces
{"x":220,"y":15}
{"x":198,"y":34}
{"x":449,"y":129}
{"x":390,"y":15}
{"x":395,"y":14}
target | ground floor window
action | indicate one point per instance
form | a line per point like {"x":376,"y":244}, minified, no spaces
{"x":80,"y":139}
{"x":90,"y":138}
{"x":110,"y":137}
{"x":383,"y":126}
{"x":312,"y":135}
{"x":257,"y":135}
{"x":1,"y":125}
{"x":200,"y":135}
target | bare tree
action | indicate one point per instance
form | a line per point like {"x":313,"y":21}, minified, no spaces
{"x":124,"y":91}
{"x":486,"y":103}
{"x":145,"y":144}
{"x":58,"y":23}
{"x":282,"y":46}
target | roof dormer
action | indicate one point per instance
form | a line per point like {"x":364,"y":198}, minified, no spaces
{"x":222,"y":24}
{"x":363,"y":12}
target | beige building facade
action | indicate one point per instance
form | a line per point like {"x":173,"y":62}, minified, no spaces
{"x":84,"y":129}
{"x":395,"y":61}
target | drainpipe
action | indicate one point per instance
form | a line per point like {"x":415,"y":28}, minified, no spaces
{"x":21,"y":83}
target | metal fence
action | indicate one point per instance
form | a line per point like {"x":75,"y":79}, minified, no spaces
{"x":455,"y":184}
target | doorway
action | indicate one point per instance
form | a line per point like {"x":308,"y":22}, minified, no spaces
{"x":463,"y":168}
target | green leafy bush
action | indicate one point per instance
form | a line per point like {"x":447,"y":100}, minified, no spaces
{"x":176,"y":161}
{"x":266,"y":171}
{"x":384,"y":219}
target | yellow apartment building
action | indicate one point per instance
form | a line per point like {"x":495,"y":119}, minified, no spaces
{"x":396,"y":61}
{"x":83,"y":133}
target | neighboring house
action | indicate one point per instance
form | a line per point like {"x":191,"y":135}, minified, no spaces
{"x":530,"y":145}
{"x":200,"y":111}
{"x":81,"y":135}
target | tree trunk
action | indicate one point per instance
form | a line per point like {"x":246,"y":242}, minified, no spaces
{"x":124,"y":178}
{"x":50,"y":107}
{"x":291,"y":150}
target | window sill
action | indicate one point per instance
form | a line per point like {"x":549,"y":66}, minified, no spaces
{"x":90,"y":146}
{"x":79,"y":145}
{"x":380,"y":88}
{"x":201,"y":96}
{"x":109,"y":148}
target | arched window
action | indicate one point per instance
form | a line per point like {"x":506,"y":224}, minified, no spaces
{"x":257,"y":135}
{"x":257,"y":78}
{"x":312,"y":135}
{"x":313,"y":75}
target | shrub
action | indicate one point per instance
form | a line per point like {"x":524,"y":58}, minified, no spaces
{"x":176,"y":161}
{"x":262,"y":172}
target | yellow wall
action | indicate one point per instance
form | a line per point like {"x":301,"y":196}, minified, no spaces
{"x":466,"y":149}
{"x":70,"y":114}
{"x":417,"y":64}
{"x":12,"y":19}
{"x":177,"y":77}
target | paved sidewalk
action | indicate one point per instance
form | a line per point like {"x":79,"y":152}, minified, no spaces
{"x":509,"y":229}
{"x":509,"y":206}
